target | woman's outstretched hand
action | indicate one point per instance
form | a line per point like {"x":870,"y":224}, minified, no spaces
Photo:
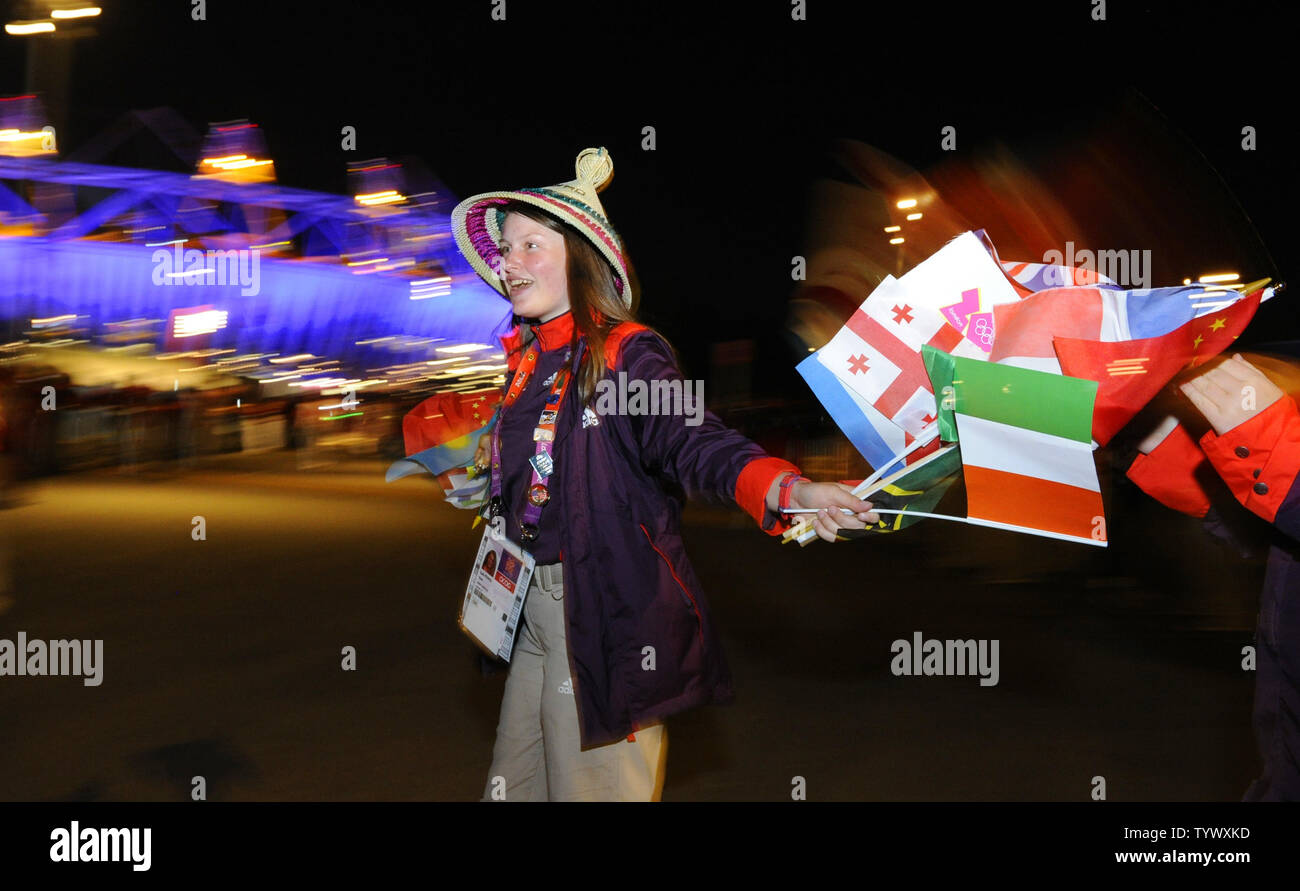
{"x":1231,"y":393}
{"x":483,"y":454}
{"x":829,"y":498}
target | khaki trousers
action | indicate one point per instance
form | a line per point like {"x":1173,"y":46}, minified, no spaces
{"x":537,"y":756}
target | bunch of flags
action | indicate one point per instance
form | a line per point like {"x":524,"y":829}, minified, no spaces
{"x":441,"y":435}
{"x":870,"y":378}
{"x":1026,"y":366}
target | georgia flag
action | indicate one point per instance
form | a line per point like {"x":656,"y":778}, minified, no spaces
{"x":877,"y":354}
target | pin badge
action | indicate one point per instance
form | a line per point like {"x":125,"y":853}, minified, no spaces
{"x":542,"y":463}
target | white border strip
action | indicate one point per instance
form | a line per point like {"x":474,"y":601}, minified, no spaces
{"x":976,"y":521}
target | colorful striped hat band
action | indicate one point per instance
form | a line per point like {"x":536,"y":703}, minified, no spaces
{"x":477,"y":225}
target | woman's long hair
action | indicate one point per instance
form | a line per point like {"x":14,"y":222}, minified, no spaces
{"x":593,"y":298}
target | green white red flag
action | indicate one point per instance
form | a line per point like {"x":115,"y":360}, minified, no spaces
{"x":1026,"y":447}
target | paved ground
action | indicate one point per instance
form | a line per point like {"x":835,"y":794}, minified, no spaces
{"x":222,"y":656}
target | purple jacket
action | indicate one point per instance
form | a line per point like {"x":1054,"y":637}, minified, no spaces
{"x":628,"y":584}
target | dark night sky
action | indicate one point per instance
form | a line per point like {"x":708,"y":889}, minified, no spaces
{"x":743,"y":99}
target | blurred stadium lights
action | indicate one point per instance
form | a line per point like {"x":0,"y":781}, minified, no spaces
{"x":23,"y":29}
{"x":339,"y":277}
{"x":77,"y":11}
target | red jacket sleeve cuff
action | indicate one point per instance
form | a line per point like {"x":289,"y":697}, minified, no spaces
{"x":1259,"y":458}
{"x":1168,"y":474}
{"x":752,"y":486}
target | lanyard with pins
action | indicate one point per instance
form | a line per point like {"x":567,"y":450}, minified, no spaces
{"x":543,"y":464}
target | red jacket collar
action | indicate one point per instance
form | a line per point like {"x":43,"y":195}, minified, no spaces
{"x":555,"y":333}
{"x":550,"y":335}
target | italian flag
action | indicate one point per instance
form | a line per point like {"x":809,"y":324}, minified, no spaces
{"x":1026,"y":447}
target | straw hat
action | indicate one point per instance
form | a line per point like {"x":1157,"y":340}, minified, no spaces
{"x":477,"y":221}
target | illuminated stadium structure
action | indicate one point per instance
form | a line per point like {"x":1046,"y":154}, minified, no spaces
{"x":284,"y":285}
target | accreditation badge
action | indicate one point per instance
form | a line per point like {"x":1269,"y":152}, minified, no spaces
{"x":494,"y":599}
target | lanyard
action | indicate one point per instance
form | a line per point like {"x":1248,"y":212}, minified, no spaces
{"x":543,"y":464}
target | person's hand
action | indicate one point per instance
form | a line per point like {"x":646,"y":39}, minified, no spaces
{"x":830,"y":497}
{"x":1231,"y":393}
{"x":483,"y":454}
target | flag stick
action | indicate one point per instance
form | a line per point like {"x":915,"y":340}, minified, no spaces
{"x":918,"y":513}
{"x":811,"y":510}
{"x":909,"y":513}
{"x":877,"y":510}
{"x":924,"y":438}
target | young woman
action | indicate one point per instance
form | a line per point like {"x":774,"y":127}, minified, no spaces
{"x":616,"y":635}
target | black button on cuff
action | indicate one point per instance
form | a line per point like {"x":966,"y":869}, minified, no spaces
{"x":1242,"y":452}
{"x":1261,"y":488}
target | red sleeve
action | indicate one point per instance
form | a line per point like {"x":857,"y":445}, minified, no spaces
{"x":1259,"y":458}
{"x":1168,"y":474}
{"x":752,"y":486}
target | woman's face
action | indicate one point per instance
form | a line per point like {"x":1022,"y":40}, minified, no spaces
{"x":533,"y":262}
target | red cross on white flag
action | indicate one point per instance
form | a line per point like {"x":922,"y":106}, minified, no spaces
{"x":885,"y":334}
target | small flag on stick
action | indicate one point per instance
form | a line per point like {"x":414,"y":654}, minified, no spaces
{"x":441,"y":436}
{"x":918,"y":487}
{"x":1129,"y":373}
{"x":1026,"y":449}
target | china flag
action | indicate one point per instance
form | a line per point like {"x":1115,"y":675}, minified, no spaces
{"x":1130,"y":372}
